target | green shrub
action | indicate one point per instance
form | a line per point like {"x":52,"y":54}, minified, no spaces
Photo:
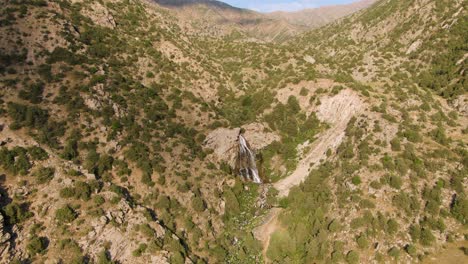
{"x":352,"y":257}
{"x":459,"y":209}
{"x":198,"y":204}
{"x":392,"y":226}
{"x":411,"y":250}
{"x":15,"y":161}
{"x":396,"y":145}
{"x":362,"y":241}
{"x":427,"y":238}
{"x":65,"y":214}
{"x":73,"y":252}
{"x":99,"y":200}
{"x":38,"y":153}
{"x":177,"y":258}
{"x":415,"y":232}
{"x":16,"y":213}
{"x":334,"y":226}
{"x":104,"y":258}
{"x":140,"y":250}
{"x":32,"y":93}
{"x":146,"y":230}
{"x":395,"y":182}
{"x":232,"y":204}
{"x":394,"y":252}
{"x":37,"y":245}
{"x":356,"y":180}
{"x":44,"y":174}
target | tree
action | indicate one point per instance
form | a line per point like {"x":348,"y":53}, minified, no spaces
{"x":392,"y":226}
{"x":459,"y":209}
{"x":44,"y":174}
{"x":394,"y":252}
{"x":65,"y":214}
{"x":37,"y":245}
{"x":362,"y":241}
{"x":352,"y":257}
{"x":411,"y":250}
{"x":16,"y":213}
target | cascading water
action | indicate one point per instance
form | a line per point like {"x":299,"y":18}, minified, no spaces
{"x":246,"y":161}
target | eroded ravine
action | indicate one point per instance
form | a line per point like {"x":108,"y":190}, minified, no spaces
{"x":336,"y":111}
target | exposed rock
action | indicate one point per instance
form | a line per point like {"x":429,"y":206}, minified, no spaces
{"x":101,"y":15}
{"x":337,"y":111}
{"x":309,"y":59}
{"x":414,"y":46}
{"x":110,"y":228}
{"x":4,"y":241}
{"x":224,"y":141}
{"x":91,"y":102}
{"x":461,"y":104}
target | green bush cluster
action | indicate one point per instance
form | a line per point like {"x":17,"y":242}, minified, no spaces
{"x":16,"y":213}
{"x":37,"y":245}
{"x":65,"y":214}
{"x":306,"y":220}
{"x":44,"y":174}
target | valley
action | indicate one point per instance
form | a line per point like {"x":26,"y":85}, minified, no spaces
{"x":192,"y":131}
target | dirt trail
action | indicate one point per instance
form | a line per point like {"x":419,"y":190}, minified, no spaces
{"x":263,"y":232}
{"x":337,"y":111}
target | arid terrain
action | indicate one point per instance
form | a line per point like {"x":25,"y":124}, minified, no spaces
{"x":192,"y":131}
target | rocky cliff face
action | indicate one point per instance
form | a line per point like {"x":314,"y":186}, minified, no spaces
{"x":4,"y":240}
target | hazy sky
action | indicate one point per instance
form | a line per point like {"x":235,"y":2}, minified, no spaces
{"x":284,"y":5}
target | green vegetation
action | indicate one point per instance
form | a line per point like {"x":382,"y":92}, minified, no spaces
{"x":16,"y":213}
{"x":37,"y":245}
{"x":309,"y":201}
{"x":122,"y":107}
{"x":44,"y":174}
{"x":65,"y":214}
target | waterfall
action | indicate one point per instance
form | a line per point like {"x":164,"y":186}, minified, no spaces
{"x":246,"y":161}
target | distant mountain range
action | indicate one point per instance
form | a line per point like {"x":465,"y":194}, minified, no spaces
{"x":315,"y":17}
{"x":223,"y":18}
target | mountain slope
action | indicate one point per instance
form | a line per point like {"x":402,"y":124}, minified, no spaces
{"x":387,"y":193}
{"x":119,"y":123}
{"x":214,"y":18}
{"x":316,"y":17}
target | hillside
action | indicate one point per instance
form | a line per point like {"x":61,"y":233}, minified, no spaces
{"x":316,"y":17}
{"x":120,"y":125}
{"x":214,"y":18}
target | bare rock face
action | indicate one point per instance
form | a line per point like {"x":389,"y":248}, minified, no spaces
{"x":336,"y":111}
{"x":224,"y":141}
{"x":115,"y":226}
{"x":309,"y":59}
{"x":4,"y":241}
{"x":101,"y":15}
{"x":98,"y":100}
{"x":461,"y":104}
{"x":414,"y":47}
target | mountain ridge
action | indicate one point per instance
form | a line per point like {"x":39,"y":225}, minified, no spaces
{"x":275,"y":26}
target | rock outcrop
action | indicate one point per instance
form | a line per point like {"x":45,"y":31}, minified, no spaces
{"x":4,"y":241}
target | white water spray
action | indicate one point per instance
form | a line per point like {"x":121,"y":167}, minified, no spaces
{"x":246,"y":161}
